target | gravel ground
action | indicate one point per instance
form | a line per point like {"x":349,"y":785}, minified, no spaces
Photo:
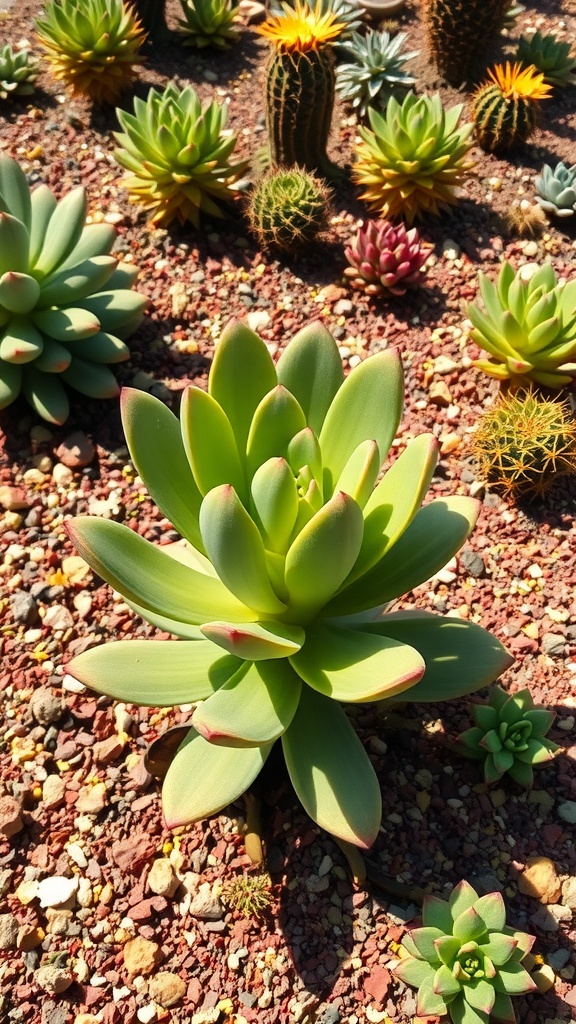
{"x":104,"y":915}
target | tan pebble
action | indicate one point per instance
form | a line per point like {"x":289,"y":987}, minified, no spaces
{"x":29,"y":938}
{"x":26,"y":892}
{"x":569,"y":892}
{"x":439,"y":394}
{"x":423,"y":800}
{"x":62,"y":475}
{"x":141,"y":955}
{"x":75,"y":568}
{"x":449,"y":443}
{"x":13,"y":498}
{"x":92,"y":799}
{"x":162,"y":879}
{"x":544,"y":977}
{"x":167,"y":989}
{"x":10,"y":820}
{"x":86,"y":1018}
{"x":540,"y":880}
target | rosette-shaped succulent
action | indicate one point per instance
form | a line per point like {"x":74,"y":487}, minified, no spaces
{"x":509,"y":736}
{"x":18,"y":72}
{"x":556,"y":189}
{"x":65,"y":302}
{"x":413,"y":160}
{"x":385,"y":257}
{"x":93,"y":46}
{"x":375,"y":72}
{"x":504,"y":109}
{"x":209,"y":23}
{"x":178,"y":156}
{"x":293,"y":547}
{"x":550,"y":56}
{"x":288,"y":209}
{"x":528,"y":327}
{"x":466,"y":961}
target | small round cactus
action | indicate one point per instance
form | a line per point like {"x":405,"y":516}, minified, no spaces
{"x":524,"y":443}
{"x":504,"y":109}
{"x":288,"y":209}
{"x":556,"y":189}
{"x":385,"y":257}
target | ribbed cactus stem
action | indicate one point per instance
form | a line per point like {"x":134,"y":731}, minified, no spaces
{"x":299,"y":102}
{"x":461,"y":34}
{"x":502,"y":122}
{"x":152,"y":14}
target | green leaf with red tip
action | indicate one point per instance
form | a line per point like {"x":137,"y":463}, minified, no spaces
{"x":311,"y":368}
{"x":349,"y":665}
{"x":204,"y":778}
{"x":413,"y":972}
{"x":155,"y":444}
{"x":513,"y":979}
{"x":154,"y":673}
{"x":209,"y":443}
{"x":329,"y":767}
{"x":424,"y":939}
{"x":275,"y":499}
{"x":256,"y":641}
{"x":276,"y":421}
{"x":254,"y":707}
{"x":499,"y":948}
{"x":469,"y":926}
{"x":492,"y":911}
{"x":236,"y":550}
{"x":445,"y":984}
{"x":436,"y":914}
{"x":242,"y":373}
{"x":146,"y":576}
{"x":447,"y":948}
{"x":462,"y":897}
{"x":428,"y":1001}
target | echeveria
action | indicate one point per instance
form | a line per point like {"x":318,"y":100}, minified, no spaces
{"x":292,"y":548}
{"x":465,"y":961}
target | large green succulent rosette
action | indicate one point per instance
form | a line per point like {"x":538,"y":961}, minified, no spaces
{"x":293,"y":545}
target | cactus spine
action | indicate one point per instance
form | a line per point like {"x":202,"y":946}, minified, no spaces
{"x":504,"y":109}
{"x":460,"y":34}
{"x":287,"y":209}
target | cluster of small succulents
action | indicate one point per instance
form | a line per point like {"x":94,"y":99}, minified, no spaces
{"x":18,"y":72}
{"x":209,"y":23}
{"x":93,"y":47}
{"x":375,"y":71}
{"x":177,"y":155}
{"x":504,"y":109}
{"x":524,"y":443}
{"x":556,"y":189}
{"x":550,"y":56}
{"x":288,"y":209}
{"x":65,"y":302}
{"x":413,"y":158}
{"x":509,"y":735}
{"x":386,"y":258}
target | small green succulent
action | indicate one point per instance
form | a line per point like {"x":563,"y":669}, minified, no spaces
{"x":465,"y":961}
{"x":249,"y":895}
{"x":549,"y":56}
{"x":293,"y":550}
{"x":556,"y":189}
{"x":509,"y":736}
{"x":288,"y":209}
{"x":375,"y":72}
{"x":209,"y":23}
{"x":18,"y":72}
{"x":65,"y":302}
{"x":528,"y":327}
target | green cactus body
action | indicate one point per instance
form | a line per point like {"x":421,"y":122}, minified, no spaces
{"x":299,"y":102}
{"x":460,"y":34}
{"x":502,"y":122}
{"x":287,"y":209}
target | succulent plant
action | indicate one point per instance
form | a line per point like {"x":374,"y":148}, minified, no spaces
{"x":525,"y":218}
{"x":509,"y":736}
{"x":249,"y":895}
{"x":152,"y":14}
{"x":376,"y":71}
{"x":453,"y":30}
{"x":288,"y":209}
{"x":18,"y":72}
{"x":300,"y":84}
{"x":209,"y":23}
{"x":65,"y":303}
{"x":550,"y":56}
{"x":293,"y":548}
{"x":385,"y":258}
{"x":92,"y":47}
{"x":556,"y":189}
{"x":524,"y":443}
{"x":528,"y":327}
{"x":413,"y":159}
{"x":504,"y":110}
{"x":177,"y":154}
{"x":466,"y":961}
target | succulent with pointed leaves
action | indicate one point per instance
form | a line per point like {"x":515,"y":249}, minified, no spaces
{"x":550,"y":56}
{"x":293,"y":549}
{"x":465,"y":961}
{"x":556,"y":189}
{"x":209,"y":23}
{"x":18,"y":72}
{"x":528,"y":326}
{"x":386,"y":258}
{"x":509,"y":736}
{"x":65,"y":302}
{"x":375,"y":71}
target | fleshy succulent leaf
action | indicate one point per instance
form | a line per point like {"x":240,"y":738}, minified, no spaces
{"x":311,"y":369}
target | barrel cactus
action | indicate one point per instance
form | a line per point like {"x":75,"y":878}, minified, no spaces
{"x":385,"y":258}
{"x":504,"y":109}
{"x":375,"y":71}
{"x":65,"y":302}
{"x":18,"y":72}
{"x":550,"y":56}
{"x":556,"y":189}
{"x":93,"y":47}
{"x":209,"y":23}
{"x":453,"y":31}
{"x":288,"y":209}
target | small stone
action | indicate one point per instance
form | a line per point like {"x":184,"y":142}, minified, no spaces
{"x":75,"y":568}
{"x":13,"y":498}
{"x":558,"y":959}
{"x":59,"y":921}
{"x":141,"y":956}
{"x":540,"y":880}
{"x":162,"y":879}
{"x":439,"y":394}
{"x":569,"y":892}
{"x":92,"y":799}
{"x":344,"y":307}
{"x":450,"y":249}
{"x":10,"y":816}
{"x":58,"y":617}
{"x":472,"y":562}
{"x":147,"y":1014}
{"x":53,"y":790}
{"x":167,"y":989}
{"x":29,"y":938}
{"x":206,"y":906}
{"x":443,"y":364}
{"x":76,"y":451}
{"x":210,"y":1016}
{"x":62,"y":475}
{"x":54,"y":891}
{"x":8,"y":931}
{"x":24,"y":609}
{"x":86,"y":1018}
{"x":131,"y":854}
{"x":258,"y":319}
{"x":567,"y":811}
{"x":53,"y":979}
{"x":45,"y":706}
{"x":553,"y":645}
{"x":27,"y":891}
{"x":109,"y":750}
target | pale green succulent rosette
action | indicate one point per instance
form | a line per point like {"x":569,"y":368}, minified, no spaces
{"x":556,"y":189}
{"x":18,"y":72}
{"x":375,"y":71}
{"x":528,"y":327}
{"x":292,"y":548}
{"x":550,"y":56}
{"x":465,"y":961}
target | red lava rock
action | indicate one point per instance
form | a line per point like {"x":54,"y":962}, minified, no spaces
{"x":107,"y":751}
{"x":376,"y":983}
{"x":131,"y":854}
{"x":10,"y":816}
{"x":76,"y":451}
{"x":144,"y":910}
